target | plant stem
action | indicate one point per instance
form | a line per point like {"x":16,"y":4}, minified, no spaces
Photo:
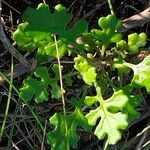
{"x":101,"y":100}
{"x":62,"y":91}
{"x":99,"y":94}
{"x":15,"y":89}
{"x":110,"y":7}
{"x":35,"y":115}
{"x":106,"y":145}
{"x":103,"y":50}
{"x":120,"y":80}
{"x":12,"y":127}
{"x":8,"y":101}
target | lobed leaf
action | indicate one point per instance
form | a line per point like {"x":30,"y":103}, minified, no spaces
{"x":40,"y":25}
{"x":130,"y":110}
{"x":141,"y":76}
{"x":119,"y":64}
{"x":108,"y":34}
{"x":58,"y":138}
{"x":39,"y":89}
{"x":110,"y":125}
{"x":135,"y":41}
{"x":113,"y":113}
{"x":68,"y":78}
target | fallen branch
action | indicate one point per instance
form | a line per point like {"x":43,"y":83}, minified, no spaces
{"x":136,"y":20}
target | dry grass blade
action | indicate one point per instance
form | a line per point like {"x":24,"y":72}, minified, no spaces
{"x":132,"y":142}
{"x":10,"y":7}
{"x":42,"y":144}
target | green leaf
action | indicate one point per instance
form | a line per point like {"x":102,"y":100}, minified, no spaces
{"x":87,"y":71}
{"x":40,"y":26}
{"x":50,"y":48}
{"x":123,"y":45}
{"x":68,"y":79}
{"x":88,"y":42}
{"x":55,"y":91}
{"x":141,"y":76}
{"x":130,"y":110}
{"x":119,"y":64}
{"x":57,"y":138}
{"x":112,"y":118}
{"x":25,"y":41}
{"x":108,"y":34}
{"x":39,"y":89}
{"x":109,"y":125}
{"x":136,"y":41}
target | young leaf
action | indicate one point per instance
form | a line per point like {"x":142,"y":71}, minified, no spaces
{"x":88,"y":42}
{"x":119,"y":64}
{"x":87,"y":71}
{"x":57,"y":138}
{"x":136,"y":41}
{"x":110,"y":112}
{"x":109,"y":33}
{"x":40,"y":24}
{"x":38,"y":89}
{"x":141,"y":76}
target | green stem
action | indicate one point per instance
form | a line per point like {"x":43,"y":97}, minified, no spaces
{"x":101,"y":100}
{"x":106,"y":145}
{"x":110,"y":82}
{"x":36,"y":116}
{"x":12,"y":127}
{"x":15,"y":89}
{"x":103,"y":50}
{"x":8,"y":101}
{"x":110,"y":7}
{"x":62,"y":92}
{"x":84,"y":93}
{"x":128,"y":65}
{"x":120,"y":79}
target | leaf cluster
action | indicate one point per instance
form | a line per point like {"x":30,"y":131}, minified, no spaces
{"x":95,"y":68}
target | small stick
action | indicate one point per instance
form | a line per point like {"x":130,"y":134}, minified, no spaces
{"x":11,"y":7}
{"x":136,"y":20}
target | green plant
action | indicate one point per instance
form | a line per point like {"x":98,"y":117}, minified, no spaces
{"x":96,"y":58}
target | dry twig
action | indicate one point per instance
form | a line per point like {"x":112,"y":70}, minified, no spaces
{"x":136,"y":20}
